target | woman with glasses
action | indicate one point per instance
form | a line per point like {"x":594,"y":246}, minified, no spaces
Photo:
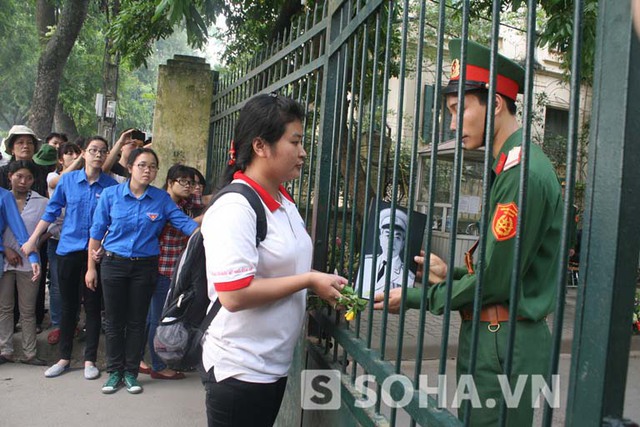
{"x":78,"y":192}
{"x":131,"y":215}
{"x":179,"y":185}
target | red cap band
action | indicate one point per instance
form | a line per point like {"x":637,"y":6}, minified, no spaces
{"x":506,"y":86}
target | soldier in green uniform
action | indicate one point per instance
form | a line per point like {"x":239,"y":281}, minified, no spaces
{"x":540,"y":245}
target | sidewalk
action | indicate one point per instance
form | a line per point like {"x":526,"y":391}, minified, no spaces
{"x":27,"y":398}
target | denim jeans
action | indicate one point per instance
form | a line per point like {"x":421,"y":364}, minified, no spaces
{"x":55,"y":305}
{"x":71,"y":271}
{"x":128,"y":286}
{"x":153,"y":319}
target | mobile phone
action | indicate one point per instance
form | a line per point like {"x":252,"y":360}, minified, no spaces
{"x":139,"y":135}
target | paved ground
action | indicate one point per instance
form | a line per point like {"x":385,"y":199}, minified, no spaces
{"x":27,"y":398}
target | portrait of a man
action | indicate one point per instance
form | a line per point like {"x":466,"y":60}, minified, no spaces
{"x":374,"y":272}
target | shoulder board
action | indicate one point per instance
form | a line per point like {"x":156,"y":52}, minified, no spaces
{"x":513,"y":158}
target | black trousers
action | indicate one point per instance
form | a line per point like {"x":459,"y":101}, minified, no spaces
{"x":128,"y":286}
{"x":71,"y":271}
{"x":235,"y":403}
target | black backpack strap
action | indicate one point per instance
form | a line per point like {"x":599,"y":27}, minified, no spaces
{"x":255,"y":202}
{"x":210,"y":315}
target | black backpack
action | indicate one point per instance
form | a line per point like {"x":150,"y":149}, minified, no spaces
{"x":184,"y":317}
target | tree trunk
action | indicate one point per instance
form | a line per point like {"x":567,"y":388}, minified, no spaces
{"x":51,"y":65}
{"x":45,"y":18}
{"x":64,"y":123}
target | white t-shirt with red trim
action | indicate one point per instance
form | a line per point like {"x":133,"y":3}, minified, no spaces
{"x":254,"y":345}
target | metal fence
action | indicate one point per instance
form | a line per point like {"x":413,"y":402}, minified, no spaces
{"x":370,"y":74}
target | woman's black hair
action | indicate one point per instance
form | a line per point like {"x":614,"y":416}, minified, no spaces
{"x":16,"y":165}
{"x":201,"y":177}
{"x":66,"y":148}
{"x":263,"y":116}
{"x":137,"y":152}
{"x":96,"y":138}
{"x":178,"y":171}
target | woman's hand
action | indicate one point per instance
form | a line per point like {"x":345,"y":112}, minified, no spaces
{"x":29,"y":247}
{"x":97,"y":254}
{"x":13,"y":258}
{"x":35,"y":268}
{"x":91,"y":279}
{"x":327,"y":286}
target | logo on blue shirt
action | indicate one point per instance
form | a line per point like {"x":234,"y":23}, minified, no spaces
{"x":152,"y":216}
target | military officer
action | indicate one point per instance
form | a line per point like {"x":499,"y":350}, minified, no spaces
{"x":396,"y":267}
{"x":540,"y":244}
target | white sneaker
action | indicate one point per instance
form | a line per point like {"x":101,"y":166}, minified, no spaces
{"x":56,"y":370}
{"x":91,"y":372}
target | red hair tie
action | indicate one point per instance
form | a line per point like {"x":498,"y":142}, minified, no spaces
{"x":232,"y":154}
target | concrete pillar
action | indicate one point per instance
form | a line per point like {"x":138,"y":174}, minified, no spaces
{"x":181,"y":116}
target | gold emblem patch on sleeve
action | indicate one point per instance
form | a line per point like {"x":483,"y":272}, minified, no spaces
{"x":505,"y":221}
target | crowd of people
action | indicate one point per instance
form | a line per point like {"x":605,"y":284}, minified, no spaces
{"x":118,"y":239}
{"x":84,"y":218}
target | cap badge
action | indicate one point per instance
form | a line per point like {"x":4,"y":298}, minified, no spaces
{"x":455,"y":69}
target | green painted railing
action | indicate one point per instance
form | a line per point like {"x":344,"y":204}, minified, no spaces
{"x":361,"y":68}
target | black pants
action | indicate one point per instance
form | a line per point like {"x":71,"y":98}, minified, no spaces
{"x":235,"y":403}
{"x":71,"y":271}
{"x":128,"y":286}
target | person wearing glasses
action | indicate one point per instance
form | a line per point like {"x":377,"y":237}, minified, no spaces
{"x":78,"y":193}
{"x":132,"y":215}
{"x":179,"y":185}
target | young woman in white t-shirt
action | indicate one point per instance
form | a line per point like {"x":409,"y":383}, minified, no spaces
{"x":248,"y":348}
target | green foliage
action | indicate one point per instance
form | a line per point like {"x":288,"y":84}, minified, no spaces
{"x":556,"y":32}
{"x":19,"y":52}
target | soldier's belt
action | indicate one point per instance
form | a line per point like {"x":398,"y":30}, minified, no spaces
{"x":494,"y":314}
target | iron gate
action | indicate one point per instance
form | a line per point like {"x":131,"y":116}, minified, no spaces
{"x":361,"y":69}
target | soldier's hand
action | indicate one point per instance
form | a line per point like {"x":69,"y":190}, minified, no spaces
{"x":395,"y":298}
{"x":437,"y":268}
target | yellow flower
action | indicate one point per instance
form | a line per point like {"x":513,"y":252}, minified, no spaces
{"x":350,"y":315}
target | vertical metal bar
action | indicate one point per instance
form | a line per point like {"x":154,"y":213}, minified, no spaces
{"x":356,"y":184}
{"x":365,"y":221}
{"x":572,"y":141}
{"x":435,"y":139}
{"x":601,"y":347}
{"x":486,"y":189}
{"x":322,"y":187}
{"x":379,"y":189}
{"x":457,"y":162}
{"x":516,"y":273}
{"x":414,"y":151}
{"x":312,"y":146}
{"x":336,"y":158}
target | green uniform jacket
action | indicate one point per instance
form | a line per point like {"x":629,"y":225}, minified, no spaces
{"x":540,"y":241}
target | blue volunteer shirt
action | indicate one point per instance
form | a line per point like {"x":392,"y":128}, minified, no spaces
{"x":134,"y":224}
{"x":10,"y":216}
{"x":80,"y":198}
